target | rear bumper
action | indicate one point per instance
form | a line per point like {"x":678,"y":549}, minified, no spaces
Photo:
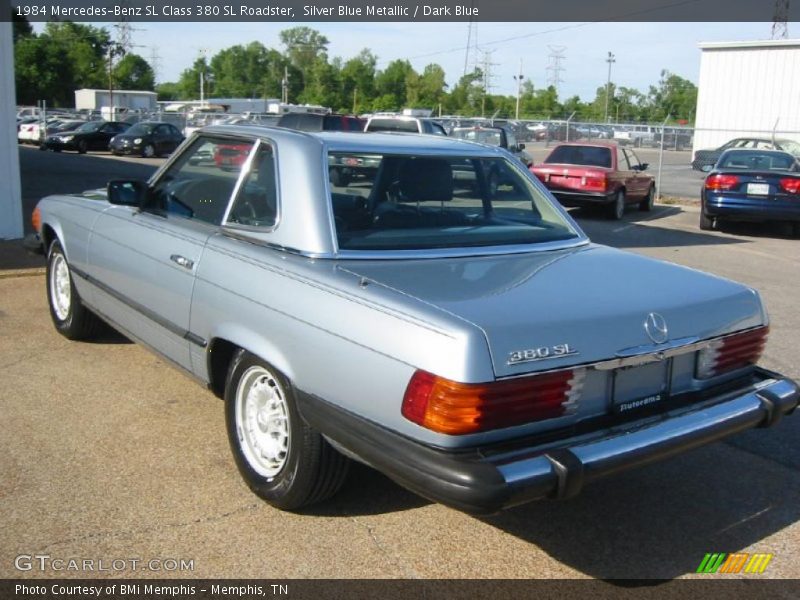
{"x":487,"y":480}
{"x":749,"y":209}
{"x":571,"y":198}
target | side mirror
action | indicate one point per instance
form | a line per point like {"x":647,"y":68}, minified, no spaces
{"x":706,"y":168}
{"x":643,"y":166}
{"x":127,"y":193}
{"x":520,"y":147}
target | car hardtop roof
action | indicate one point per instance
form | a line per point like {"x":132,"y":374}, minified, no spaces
{"x":599,"y":143}
{"x":759,"y":150}
{"x":378,"y":142}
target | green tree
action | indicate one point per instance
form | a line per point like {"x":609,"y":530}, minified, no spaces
{"x":188,"y":85}
{"x":357,"y":81}
{"x":133,"y":72}
{"x":303,"y":47}
{"x":390,"y":84}
{"x":427,"y":89}
{"x":674,"y":96}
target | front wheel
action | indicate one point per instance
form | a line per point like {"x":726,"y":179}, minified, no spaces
{"x":148,"y":151}
{"x":83,"y":147}
{"x":70,"y":317}
{"x":282,"y":459}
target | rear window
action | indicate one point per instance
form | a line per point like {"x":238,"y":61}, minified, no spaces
{"x":406,"y":202}
{"x":408,"y":126}
{"x":756,"y":161}
{"x":590,"y":156}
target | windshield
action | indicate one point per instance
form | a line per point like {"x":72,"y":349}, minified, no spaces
{"x":409,"y":202}
{"x":91,"y":126}
{"x":491,"y":137}
{"x":141,"y":129}
{"x":590,"y":156}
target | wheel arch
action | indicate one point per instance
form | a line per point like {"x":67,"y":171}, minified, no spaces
{"x":223,"y":346}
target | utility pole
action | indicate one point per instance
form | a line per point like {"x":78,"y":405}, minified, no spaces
{"x":285,"y":86}
{"x":355,"y":100}
{"x":780,"y":24}
{"x":610,"y":60}
{"x":519,"y":87}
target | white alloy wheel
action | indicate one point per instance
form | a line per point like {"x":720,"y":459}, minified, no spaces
{"x":262,"y":421}
{"x":60,"y":287}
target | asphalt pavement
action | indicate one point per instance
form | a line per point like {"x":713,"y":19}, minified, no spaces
{"x":109,"y":453}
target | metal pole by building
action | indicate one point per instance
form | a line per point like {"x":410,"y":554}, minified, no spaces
{"x":519,"y":87}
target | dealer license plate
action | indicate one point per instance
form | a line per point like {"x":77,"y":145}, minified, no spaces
{"x":758,"y":189}
{"x":640,"y":387}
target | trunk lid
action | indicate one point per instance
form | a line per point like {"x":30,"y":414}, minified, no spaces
{"x":593,"y":299}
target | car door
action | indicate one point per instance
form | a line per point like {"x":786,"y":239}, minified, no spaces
{"x":143,"y":260}
{"x":637,"y":182}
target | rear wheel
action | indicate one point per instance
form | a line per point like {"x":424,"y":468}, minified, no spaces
{"x":617,"y":208}
{"x":70,"y":317}
{"x":282,"y":459}
{"x":706,"y":222}
{"x":647,"y":203}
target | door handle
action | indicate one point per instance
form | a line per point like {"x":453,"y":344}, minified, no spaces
{"x":182,"y":261}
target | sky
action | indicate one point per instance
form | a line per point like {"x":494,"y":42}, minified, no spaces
{"x":642,"y":50}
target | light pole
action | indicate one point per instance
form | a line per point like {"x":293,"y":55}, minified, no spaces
{"x":610,"y":60}
{"x":519,"y":79}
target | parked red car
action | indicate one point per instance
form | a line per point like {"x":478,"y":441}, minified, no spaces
{"x":599,"y":173}
{"x":230,"y":156}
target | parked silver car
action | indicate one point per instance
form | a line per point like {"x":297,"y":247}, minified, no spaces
{"x":472,"y":345}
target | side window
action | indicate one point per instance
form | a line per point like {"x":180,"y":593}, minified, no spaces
{"x":633,"y":160}
{"x":256,"y":204}
{"x":200,"y":183}
{"x":622,"y":160}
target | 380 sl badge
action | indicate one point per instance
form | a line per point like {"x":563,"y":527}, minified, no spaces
{"x":542,"y":353}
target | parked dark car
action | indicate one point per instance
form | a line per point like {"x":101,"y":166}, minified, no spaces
{"x":674,"y":138}
{"x":708,"y":158}
{"x":148,"y":139}
{"x":752,"y":185}
{"x":597,"y":174}
{"x":94,"y":135}
{"x":316,"y":122}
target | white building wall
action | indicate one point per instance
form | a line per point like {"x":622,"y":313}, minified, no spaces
{"x":96,"y":99}
{"x":10,"y":191}
{"x":745,"y":88}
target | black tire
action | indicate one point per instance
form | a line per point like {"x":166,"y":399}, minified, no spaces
{"x":617,"y":208}
{"x":308,"y":471}
{"x":706,"y":222}
{"x":647,"y":202}
{"x":71,"y":318}
{"x":82,"y":147}
{"x":796,"y":229}
{"x":149,"y":151}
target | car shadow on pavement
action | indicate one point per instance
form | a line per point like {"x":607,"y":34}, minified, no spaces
{"x":385,"y":496}
{"x":651,"y":236}
{"x":659,"y":522}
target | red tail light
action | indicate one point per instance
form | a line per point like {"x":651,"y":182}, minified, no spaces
{"x":596,"y":183}
{"x":722,"y":182}
{"x":456,"y":408}
{"x":790,"y":185}
{"x":731,"y":352}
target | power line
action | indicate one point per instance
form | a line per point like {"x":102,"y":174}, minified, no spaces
{"x":554,"y":68}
